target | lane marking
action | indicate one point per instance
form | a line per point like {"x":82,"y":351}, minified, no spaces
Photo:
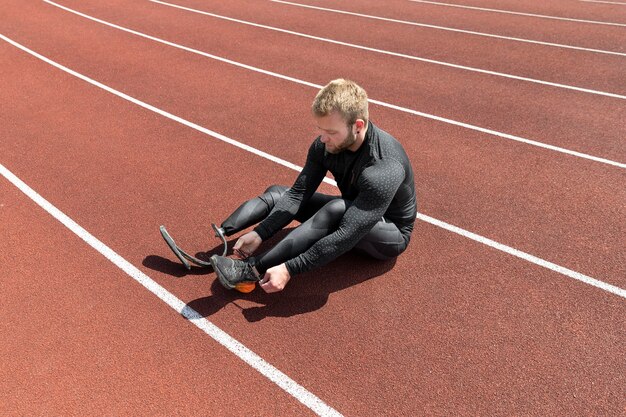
{"x":400,"y":55}
{"x":380,"y":103}
{"x":543,"y":16}
{"x":468,"y":32}
{"x":439,"y":223}
{"x":526,"y":256}
{"x":605,"y":2}
{"x":233,"y":345}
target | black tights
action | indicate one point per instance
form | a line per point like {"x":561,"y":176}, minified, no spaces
{"x":319,"y":217}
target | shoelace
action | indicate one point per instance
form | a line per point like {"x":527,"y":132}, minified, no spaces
{"x":242,"y":255}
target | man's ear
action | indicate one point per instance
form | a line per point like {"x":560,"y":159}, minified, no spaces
{"x":360,"y":123}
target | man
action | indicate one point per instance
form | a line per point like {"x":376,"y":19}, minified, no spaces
{"x":375,"y":212}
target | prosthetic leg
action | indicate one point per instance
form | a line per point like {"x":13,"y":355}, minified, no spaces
{"x":183,"y":256}
{"x":248,"y":214}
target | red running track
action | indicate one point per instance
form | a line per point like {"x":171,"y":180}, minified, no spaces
{"x":452,"y":327}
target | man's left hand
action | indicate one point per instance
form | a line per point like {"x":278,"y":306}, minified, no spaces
{"x":275,"y":279}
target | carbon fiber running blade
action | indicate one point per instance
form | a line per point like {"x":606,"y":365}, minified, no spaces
{"x":170,"y":242}
{"x":218,"y":233}
{"x":199,"y":262}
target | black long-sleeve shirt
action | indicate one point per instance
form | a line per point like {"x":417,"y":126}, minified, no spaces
{"x":378,"y":181}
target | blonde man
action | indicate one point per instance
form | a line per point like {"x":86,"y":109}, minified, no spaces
{"x":375,"y":212}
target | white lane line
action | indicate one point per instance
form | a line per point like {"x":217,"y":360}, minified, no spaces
{"x":478,"y":238}
{"x":237,"y":348}
{"x":526,"y":256}
{"x":468,"y":32}
{"x":605,"y":2}
{"x":543,"y":16}
{"x":380,"y":103}
{"x":382,"y":51}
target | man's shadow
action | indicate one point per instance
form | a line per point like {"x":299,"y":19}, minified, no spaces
{"x":305,"y":292}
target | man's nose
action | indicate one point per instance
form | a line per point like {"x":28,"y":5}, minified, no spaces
{"x":324,"y":138}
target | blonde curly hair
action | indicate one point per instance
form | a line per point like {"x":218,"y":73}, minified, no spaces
{"x":344,"y":96}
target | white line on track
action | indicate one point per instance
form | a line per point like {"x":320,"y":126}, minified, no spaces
{"x":605,"y":2}
{"x":543,"y":16}
{"x":380,"y":103}
{"x":381,"y":51}
{"x":467,"y":32}
{"x":439,"y":223}
{"x":220,"y":336}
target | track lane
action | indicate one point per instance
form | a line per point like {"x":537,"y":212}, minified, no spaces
{"x":602,"y":72}
{"x":575,"y":9}
{"x":368,"y":316}
{"x":392,"y":53}
{"x":352,"y":328}
{"x":605,"y":2}
{"x":81,"y":337}
{"x":498,"y":211}
{"x":454,"y":94}
{"x":580,"y":34}
{"x":556,"y":10}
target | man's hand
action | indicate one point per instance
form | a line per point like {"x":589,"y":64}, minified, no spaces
{"x":275,"y":279}
{"x":247,"y":244}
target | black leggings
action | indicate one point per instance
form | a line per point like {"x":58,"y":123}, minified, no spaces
{"x":320,"y":216}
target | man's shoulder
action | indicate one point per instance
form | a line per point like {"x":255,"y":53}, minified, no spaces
{"x":383,"y":137}
{"x":382,"y":168}
{"x":385,"y":146}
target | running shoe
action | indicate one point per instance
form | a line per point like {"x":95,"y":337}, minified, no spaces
{"x":234,"y":273}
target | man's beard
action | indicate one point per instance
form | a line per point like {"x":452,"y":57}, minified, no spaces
{"x":345,"y":144}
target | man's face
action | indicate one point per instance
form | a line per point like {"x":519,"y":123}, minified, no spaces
{"x":335,"y":132}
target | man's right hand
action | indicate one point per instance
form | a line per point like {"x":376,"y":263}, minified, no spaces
{"x":247,"y":244}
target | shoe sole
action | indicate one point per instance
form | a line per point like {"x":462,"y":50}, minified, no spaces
{"x":245,"y":287}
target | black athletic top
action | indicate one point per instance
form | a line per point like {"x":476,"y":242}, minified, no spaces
{"x":378,"y":182}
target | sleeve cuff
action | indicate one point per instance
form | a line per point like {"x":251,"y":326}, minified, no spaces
{"x":289,"y":267}
{"x":263,"y":233}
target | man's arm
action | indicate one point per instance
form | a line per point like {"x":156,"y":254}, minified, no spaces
{"x":303,"y":188}
{"x":377,"y":187}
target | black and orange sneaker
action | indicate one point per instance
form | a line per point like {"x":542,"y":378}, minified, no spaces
{"x":235,"y":274}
